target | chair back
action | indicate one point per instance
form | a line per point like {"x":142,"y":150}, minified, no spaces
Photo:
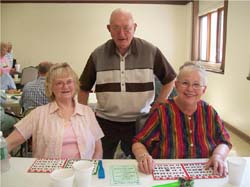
{"x":140,"y":122}
{"x":28,"y":74}
{"x":25,"y":149}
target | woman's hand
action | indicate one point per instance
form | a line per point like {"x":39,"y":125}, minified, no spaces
{"x":145,"y":161}
{"x":145,"y":164}
{"x":217,"y":160}
{"x":218,"y":164}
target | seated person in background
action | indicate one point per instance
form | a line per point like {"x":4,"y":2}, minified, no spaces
{"x":4,"y":62}
{"x":184,"y":127}
{"x":7,"y":122}
{"x":7,"y":82}
{"x":63,"y":128}
{"x":34,"y":92}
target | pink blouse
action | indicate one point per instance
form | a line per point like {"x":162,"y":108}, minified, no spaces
{"x":4,"y":65}
{"x":69,"y":147}
{"x":47,"y":130}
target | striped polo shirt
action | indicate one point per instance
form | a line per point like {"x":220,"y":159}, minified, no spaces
{"x":124,"y":85}
{"x":170,"y":134}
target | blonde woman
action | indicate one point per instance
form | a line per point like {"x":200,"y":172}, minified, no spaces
{"x":63,"y":128}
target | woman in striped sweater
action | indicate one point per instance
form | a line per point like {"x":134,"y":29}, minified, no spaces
{"x":184,"y":127}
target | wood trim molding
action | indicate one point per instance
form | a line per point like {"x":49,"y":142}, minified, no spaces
{"x":174,"y":2}
{"x":195,"y":33}
{"x":224,"y":35}
{"x":195,"y":39}
{"x":236,"y":131}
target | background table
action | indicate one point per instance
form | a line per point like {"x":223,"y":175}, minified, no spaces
{"x":12,"y":104}
{"x":18,"y":176}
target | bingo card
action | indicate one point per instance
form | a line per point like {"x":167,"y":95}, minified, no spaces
{"x":172,"y":171}
{"x":48,"y":165}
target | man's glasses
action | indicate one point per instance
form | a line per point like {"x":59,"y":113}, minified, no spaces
{"x":126,"y":29}
{"x":195,"y":86}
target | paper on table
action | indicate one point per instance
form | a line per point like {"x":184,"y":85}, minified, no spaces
{"x":46,"y":165}
{"x":123,"y":175}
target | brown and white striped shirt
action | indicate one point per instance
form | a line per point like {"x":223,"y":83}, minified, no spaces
{"x":125,"y":84}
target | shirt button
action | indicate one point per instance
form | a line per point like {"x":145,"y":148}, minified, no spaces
{"x":191,"y":145}
{"x":190,"y":131}
{"x":189,"y":118}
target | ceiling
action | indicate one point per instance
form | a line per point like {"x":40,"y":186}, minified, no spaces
{"x":177,"y":2}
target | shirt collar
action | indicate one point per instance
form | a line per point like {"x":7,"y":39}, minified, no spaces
{"x":132,"y":48}
{"x":78,"y":109}
{"x":41,"y":78}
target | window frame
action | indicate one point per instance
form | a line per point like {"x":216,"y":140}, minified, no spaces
{"x":210,"y":66}
{"x":219,"y":12}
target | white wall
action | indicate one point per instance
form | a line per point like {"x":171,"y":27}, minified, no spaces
{"x":1,"y":21}
{"x":230,"y":92}
{"x":70,"y":32}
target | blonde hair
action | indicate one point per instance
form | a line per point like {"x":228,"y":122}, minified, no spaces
{"x":59,"y":70}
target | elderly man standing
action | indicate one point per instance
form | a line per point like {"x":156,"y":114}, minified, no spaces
{"x":9,"y":54}
{"x":34,"y":92}
{"x":123,"y":71}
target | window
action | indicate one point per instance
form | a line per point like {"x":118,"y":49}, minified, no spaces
{"x":209,"y":37}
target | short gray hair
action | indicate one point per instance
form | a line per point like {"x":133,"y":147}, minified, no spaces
{"x":122,"y":11}
{"x":193,"y":66}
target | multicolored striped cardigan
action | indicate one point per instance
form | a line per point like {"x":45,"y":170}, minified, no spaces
{"x":169,"y":133}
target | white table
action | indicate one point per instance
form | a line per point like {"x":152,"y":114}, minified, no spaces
{"x":17,"y":176}
{"x":12,"y":104}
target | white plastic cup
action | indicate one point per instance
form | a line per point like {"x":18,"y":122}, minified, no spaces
{"x":62,"y":178}
{"x":18,"y":67}
{"x":15,"y":76}
{"x":236,"y":169}
{"x":83,"y":173}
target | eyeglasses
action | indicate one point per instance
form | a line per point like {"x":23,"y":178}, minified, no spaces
{"x":195,"y":86}
{"x":125,"y":29}
{"x":60,"y":84}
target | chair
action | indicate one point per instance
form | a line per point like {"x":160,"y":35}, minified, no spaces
{"x":25,"y":148}
{"x":140,"y":122}
{"x":28,"y":74}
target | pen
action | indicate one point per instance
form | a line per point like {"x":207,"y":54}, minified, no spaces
{"x":175,"y":184}
{"x":101,"y":173}
{"x":180,"y":183}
